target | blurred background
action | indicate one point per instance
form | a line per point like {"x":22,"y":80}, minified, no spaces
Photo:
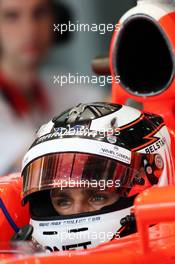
{"x":32,"y":54}
{"x":75,"y":52}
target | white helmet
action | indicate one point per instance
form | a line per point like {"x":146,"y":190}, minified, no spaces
{"x":98,"y":145}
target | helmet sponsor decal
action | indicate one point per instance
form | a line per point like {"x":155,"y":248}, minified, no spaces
{"x":78,"y":145}
{"x":157,"y":145}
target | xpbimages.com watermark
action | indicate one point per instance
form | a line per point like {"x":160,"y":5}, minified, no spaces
{"x":87,"y":237}
{"x":85,"y":27}
{"x":100,"y":184}
{"x":101,"y":236}
{"x":85,"y":79}
{"x":80,"y":130}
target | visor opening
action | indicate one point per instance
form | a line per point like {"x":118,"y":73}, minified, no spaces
{"x":143,"y":58}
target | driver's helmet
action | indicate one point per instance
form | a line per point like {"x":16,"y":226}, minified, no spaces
{"x":98,"y":149}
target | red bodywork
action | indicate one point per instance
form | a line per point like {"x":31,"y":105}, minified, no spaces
{"x":149,"y":245}
{"x":162,"y":103}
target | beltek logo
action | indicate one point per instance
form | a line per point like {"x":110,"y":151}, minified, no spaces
{"x":157,"y":145}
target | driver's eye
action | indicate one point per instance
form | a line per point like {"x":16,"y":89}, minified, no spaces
{"x":63,"y":202}
{"x":98,"y":198}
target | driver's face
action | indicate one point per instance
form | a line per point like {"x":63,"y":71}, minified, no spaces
{"x":79,"y":200}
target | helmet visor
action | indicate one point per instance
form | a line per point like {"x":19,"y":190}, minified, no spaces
{"x":83,"y":170}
